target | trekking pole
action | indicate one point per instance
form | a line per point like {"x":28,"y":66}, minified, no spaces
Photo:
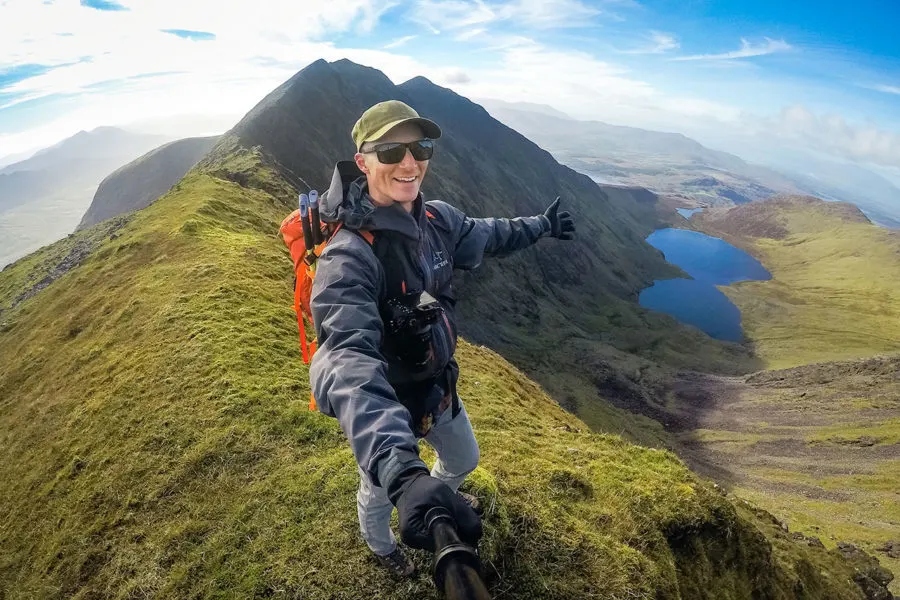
{"x":308,"y":240}
{"x":314,"y":215}
{"x":457,"y":570}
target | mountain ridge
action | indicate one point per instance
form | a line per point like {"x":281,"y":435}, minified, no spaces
{"x":138,"y":183}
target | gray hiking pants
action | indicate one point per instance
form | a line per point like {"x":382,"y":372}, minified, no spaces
{"x":457,"y":451}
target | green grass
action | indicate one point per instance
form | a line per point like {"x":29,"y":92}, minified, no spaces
{"x":154,"y":443}
{"x":835,"y":287}
{"x":886,"y":432}
{"x":27,"y":272}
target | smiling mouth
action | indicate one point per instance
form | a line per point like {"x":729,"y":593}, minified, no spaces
{"x":405,"y":179}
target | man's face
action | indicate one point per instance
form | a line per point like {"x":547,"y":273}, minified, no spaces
{"x":399,"y":182}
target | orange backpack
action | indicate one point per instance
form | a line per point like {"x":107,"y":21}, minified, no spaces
{"x":292,"y":230}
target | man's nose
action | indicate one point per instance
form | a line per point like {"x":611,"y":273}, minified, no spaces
{"x":408,"y":160}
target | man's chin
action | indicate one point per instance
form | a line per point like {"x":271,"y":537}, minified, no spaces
{"x":406,"y":196}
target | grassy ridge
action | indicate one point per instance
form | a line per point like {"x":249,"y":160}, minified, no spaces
{"x":154,"y":443}
{"x":835,"y":288}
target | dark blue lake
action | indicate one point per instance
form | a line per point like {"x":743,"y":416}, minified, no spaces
{"x":711,"y":262}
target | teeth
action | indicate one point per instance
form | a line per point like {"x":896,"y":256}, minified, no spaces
{"x":405,"y":179}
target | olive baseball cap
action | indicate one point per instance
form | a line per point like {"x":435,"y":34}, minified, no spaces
{"x":384,"y":116}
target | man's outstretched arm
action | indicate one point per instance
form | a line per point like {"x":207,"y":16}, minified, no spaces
{"x":474,"y":238}
{"x":348,"y":373}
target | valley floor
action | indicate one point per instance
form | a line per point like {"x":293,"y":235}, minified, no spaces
{"x":818,"y":446}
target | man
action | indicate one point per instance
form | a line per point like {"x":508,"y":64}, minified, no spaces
{"x":383,"y":307}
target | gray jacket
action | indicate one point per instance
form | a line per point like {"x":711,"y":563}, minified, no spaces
{"x":354,"y":376}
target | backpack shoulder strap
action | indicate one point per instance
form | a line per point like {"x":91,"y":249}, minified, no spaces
{"x":367,"y":235}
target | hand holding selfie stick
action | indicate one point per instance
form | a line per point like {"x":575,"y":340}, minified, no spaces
{"x":457,"y":570}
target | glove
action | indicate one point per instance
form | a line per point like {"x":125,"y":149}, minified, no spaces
{"x":414,"y":493}
{"x":562,"y":225}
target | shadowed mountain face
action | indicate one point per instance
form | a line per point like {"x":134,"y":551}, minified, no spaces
{"x":578,"y":297}
{"x":145,"y":179}
{"x":42,"y":198}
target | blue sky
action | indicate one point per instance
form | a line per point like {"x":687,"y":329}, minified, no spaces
{"x":807,"y":75}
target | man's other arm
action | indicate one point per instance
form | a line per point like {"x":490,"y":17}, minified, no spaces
{"x":474,"y":238}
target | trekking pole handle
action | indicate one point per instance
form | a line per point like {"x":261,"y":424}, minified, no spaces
{"x":457,"y":570}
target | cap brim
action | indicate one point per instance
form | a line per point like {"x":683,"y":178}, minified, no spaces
{"x":429,"y":128}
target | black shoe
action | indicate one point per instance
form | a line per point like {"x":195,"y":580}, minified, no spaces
{"x":472,"y":501}
{"x":397,"y":563}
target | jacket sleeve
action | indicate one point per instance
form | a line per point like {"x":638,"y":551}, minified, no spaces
{"x":474,"y":238}
{"x":348,"y":373}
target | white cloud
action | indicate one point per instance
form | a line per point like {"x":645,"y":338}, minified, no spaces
{"x":451,"y":14}
{"x":887,"y":89}
{"x":441,"y":15}
{"x":469,"y":34}
{"x":747,"y":50}
{"x":657,"y":43}
{"x":30,"y":31}
{"x":831,"y":133}
{"x":542,"y":14}
{"x":580,"y":85}
{"x":453,"y":76}
{"x":258,"y":45}
{"x":399,"y":42}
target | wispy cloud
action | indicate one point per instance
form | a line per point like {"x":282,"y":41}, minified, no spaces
{"x":103,"y":5}
{"x":440,"y":15}
{"x":887,"y":89}
{"x":469,"y":34}
{"x":657,"y":43}
{"x":747,"y":50}
{"x":548,"y":14}
{"x":451,"y":14}
{"x":198,"y":36}
{"x":453,"y":76}
{"x":399,"y":41}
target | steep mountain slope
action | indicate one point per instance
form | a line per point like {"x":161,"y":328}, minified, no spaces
{"x":145,"y":179}
{"x":42,"y":198}
{"x":835,"y":287}
{"x":577,"y":298}
{"x":154,"y":443}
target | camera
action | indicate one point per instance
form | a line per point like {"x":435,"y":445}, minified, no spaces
{"x":408,"y":320}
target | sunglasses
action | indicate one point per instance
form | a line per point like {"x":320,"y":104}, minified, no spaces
{"x":392,"y":153}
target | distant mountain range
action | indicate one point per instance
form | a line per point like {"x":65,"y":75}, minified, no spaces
{"x":43,"y":197}
{"x":145,"y":179}
{"x":676,"y":166}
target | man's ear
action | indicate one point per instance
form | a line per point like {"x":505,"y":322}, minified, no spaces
{"x":360,"y":159}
